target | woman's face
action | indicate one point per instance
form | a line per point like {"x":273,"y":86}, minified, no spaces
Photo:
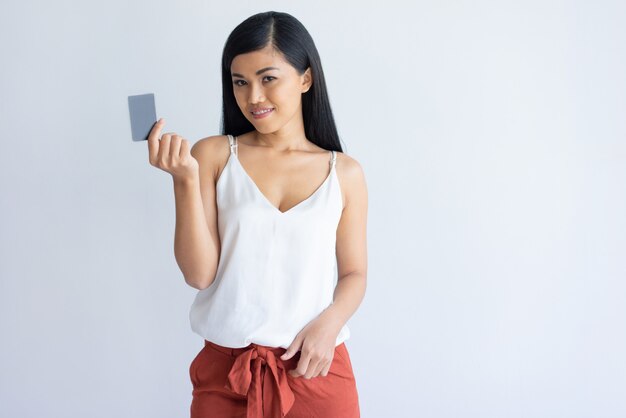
{"x":264,"y":80}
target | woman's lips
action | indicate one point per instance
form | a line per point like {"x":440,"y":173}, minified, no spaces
{"x":262,"y":115}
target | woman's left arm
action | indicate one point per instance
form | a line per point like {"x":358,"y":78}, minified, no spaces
{"x":351,"y":246}
{"x":317,"y":339}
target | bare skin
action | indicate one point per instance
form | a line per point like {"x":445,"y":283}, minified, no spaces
{"x":287,"y":168}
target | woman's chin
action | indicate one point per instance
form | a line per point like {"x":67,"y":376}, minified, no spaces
{"x":264,"y":128}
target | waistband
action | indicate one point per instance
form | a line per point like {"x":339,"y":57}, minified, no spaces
{"x":234,"y":352}
{"x":259,"y":374}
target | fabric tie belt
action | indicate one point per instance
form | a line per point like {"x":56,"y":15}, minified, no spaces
{"x":257,"y":374}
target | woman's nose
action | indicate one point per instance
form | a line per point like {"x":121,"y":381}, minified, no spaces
{"x":256,"y":95}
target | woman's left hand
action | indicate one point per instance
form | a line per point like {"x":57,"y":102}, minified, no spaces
{"x":316,"y":341}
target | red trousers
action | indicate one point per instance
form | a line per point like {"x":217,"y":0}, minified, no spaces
{"x":253,"y":382}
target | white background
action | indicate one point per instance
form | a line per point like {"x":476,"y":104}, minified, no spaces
{"x":492,"y":135}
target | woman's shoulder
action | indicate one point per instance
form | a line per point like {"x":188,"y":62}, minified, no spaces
{"x":348,"y":166}
{"x":351,"y":178}
{"x":211,"y":152}
{"x":211,"y":143}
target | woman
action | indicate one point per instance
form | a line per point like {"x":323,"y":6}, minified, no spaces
{"x":266,"y":215}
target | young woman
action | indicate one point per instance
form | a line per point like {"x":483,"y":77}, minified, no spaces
{"x":266,"y":215}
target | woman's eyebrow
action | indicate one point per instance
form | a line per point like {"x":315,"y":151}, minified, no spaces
{"x":261,"y":71}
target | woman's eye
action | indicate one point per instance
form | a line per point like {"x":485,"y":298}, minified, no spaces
{"x":241,"y":82}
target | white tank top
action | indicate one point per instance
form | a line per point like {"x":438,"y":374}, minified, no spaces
{"x":277,"y":270}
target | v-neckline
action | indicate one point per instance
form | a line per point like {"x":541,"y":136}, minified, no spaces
{"x":267,"y":201}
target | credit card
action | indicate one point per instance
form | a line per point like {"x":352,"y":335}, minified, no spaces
{"x":142,"y":115}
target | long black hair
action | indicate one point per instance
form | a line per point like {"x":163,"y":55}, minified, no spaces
{"x":286,"y":34}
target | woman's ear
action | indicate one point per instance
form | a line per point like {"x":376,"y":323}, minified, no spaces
{"x":307,"y":80}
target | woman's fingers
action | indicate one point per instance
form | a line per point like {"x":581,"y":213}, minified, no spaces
{"x":153,"y":141}
{"x":326,"y":369}
{"x":185,"y":149}
{"x":311,"y":365}
{"x":171,"y":152}
{"x":164,"y":151}
{"x":174,"y":154}
{"x":302,"y":366}
{"x":318,"y":368}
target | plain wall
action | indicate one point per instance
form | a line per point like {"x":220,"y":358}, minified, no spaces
{"x":493,"y":140}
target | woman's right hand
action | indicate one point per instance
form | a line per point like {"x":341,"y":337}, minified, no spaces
{"x":171,"y":153}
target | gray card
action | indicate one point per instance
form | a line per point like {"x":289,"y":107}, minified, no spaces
{"x":142,"y":115}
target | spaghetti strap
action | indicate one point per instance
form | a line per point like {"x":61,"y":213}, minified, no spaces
{"x":233,"y":144}
{"x":333,"y":158}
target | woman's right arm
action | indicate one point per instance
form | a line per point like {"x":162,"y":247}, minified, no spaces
{"x":196,"y":239}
